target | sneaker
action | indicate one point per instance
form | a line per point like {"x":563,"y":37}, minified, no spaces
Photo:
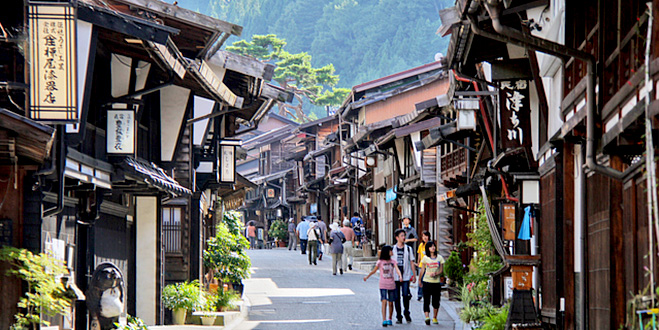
{"x":419,"y":298}
{"x":427,"y":321}
{"x":389,"y":322}
{"x":321,"y":257}
{"x":341,"y":271}
{"x":399,"y":321}
{"x":434,"y":321}
{"x":334,"y":274}
{"x":408,"y":319}
{"x":350,"y":267}
{"x":315,"y":263}
{"x":385,"y":323}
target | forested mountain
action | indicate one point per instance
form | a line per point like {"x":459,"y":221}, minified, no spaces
{"x":364,"y":39}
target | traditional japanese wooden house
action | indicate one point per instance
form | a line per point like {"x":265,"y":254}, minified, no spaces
{"x":590,"y":66}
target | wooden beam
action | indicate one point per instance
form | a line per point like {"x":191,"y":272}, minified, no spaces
{"x":242,"y":64}
{"x":186,"y":15}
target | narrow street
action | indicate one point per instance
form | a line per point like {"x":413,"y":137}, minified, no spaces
{"x":285,"y":292}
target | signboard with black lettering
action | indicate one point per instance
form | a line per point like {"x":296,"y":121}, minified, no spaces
{"x":515,"y":112}
{"x":226,"y":165}
{"x":53,"y":64}
{"x":121,"y":132}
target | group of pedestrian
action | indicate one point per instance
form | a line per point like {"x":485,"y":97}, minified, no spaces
{"x":398,"y":268}
{"x":314,"y":238}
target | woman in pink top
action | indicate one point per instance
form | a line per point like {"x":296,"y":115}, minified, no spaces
{"x":387,"y":267}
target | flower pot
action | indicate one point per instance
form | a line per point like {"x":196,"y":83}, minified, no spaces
{"x":208,"y":319}
{"x":281,"y":244}
{"x":178,"y":316}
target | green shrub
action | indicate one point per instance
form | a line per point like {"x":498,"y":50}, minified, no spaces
{"x":46,"y":295}
{"x":182,"y":295}
{"x":454,"y":269}
{"x":278,"y":230}
{"x":132,"y":323}
{"x":226,"y":252}
{"x":496,"y":320}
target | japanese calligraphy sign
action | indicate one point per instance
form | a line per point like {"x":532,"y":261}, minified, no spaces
{"x":53,"y":76}
{"x":515,"y":112}
{"x":121,"y":132}
{"x":226,"y":169}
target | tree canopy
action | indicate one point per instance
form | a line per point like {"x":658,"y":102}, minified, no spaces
{"x":295,"y":73}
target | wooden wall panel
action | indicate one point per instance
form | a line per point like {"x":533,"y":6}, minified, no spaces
{"x":598,"y":255}
{"x":547,"y":241}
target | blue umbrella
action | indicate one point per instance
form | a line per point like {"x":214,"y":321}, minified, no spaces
{"x":525,"y":230}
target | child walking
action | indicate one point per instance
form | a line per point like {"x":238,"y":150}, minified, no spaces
{"x":432,"y":266}
{"x":387,"y":267}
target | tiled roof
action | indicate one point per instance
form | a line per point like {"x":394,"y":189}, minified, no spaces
{"x":156,"y":176}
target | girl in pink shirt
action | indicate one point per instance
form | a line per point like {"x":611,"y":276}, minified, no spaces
{"x":387,"y":267}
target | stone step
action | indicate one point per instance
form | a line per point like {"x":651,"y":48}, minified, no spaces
{"x":366,"y":266}
{"x":365,"y":259}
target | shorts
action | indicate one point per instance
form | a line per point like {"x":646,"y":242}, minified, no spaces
{"x":388,"y":295}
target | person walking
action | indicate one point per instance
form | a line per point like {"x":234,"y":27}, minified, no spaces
{"x":251,"y":234}
{"x":292,"y":237}
{"x":433,"y":265}
{"x":410,"y":233}
{"x":404,"y":256}
{"x":313,"y":235}
{"x":349,"y":245}
{"x":302,"y":229}
{"x":388,"y":267}
{"x":421,"y":251}
{"x":336,"y":240}
{"x":323,"y":233}
{"x":356,"y":223}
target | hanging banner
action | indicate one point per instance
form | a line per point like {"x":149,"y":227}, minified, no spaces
{"x":53,"y":69}
{"x":515,"y":112}
{"x":121,"y":132}
{"x":390,"y":195}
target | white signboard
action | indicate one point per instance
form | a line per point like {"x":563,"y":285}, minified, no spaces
{"x":121,"y":132}
{"x":53,"y":66}
{"x":227,"y":164}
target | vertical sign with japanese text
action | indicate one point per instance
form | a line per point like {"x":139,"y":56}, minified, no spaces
{"x":515,"y":113}
{"x":227,"y":168}
{"x":53,"y":66}
{"x":121,"y":132}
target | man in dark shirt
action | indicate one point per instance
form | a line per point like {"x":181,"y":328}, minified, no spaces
{"x":410,"y":233}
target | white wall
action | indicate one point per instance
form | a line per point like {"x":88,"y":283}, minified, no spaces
{"x":146,"y":252}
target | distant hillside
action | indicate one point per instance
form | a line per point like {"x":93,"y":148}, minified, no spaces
{"x":364,"y":39}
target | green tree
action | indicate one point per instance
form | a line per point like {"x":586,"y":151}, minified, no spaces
{"x":295,"y":73}
{"x":45,"y":295}
{"x":226,"y":252}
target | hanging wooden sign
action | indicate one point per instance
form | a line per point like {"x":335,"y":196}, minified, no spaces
{"x":508,"y":215}
{"x":53,"y":64}
{"x":515,"y":112}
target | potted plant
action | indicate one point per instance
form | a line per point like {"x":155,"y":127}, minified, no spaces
{"x":208,"y":308}
{"x":180,"y":298}
{"x":454,"y":270}
{"x":279,"y":231}
{"x":226,"y":253}
{"x":226,"y":299}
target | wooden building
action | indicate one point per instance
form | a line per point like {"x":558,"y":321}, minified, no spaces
{"x":589,"y":104}
{"x":153,"y":72}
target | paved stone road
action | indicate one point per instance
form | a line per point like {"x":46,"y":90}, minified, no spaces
{"x":285,"y":292}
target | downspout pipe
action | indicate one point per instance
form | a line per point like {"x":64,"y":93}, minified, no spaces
{"x":61,"y":163}
{"x":510,"y":35}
